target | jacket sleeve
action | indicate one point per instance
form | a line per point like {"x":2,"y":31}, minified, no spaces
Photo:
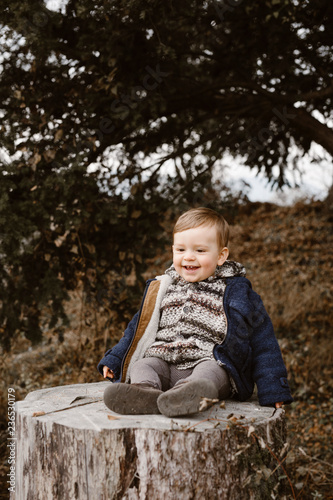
{"x":269,"y":371}
{"x":113,"y":357}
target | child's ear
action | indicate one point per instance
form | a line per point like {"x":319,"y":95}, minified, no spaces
{"x":224,"y":253}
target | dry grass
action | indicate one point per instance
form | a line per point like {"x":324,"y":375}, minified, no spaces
{"x":288,"y":255}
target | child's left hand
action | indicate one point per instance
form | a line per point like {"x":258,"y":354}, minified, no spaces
{"x":278,"y":405}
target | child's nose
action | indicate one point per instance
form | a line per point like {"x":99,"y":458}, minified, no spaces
{"x":189,"y":255}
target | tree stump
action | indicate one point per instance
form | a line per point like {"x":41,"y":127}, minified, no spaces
{"x":70,"y":446}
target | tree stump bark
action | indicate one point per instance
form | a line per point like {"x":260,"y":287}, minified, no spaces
{"x":70,"y":446}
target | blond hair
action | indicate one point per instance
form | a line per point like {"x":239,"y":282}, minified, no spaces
{"x":203,"y":216}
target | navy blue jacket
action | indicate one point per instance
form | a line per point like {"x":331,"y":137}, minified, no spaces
{"x":250,"y":352}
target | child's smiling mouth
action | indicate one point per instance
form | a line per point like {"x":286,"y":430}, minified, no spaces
{"x":191,"y":268}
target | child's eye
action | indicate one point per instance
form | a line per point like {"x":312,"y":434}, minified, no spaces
{"x":200,"y":250}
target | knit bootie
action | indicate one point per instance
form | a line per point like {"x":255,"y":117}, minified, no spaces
{"x":132,"y":399}
{"x":185,"y":398}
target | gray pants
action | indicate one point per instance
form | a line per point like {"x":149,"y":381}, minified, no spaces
{"x":164,"y":376}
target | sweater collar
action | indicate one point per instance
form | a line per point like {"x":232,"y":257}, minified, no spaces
{"x":230,"y":269}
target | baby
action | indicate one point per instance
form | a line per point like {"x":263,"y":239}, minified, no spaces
{"x":201,"y":332}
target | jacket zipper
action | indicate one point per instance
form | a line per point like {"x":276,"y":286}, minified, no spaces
{"x":135,"y":330}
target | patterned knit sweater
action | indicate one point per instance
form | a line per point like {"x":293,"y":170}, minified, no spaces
{"x":192,"y":317}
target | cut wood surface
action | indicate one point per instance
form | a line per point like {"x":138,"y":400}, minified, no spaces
{"x":70,"y":446}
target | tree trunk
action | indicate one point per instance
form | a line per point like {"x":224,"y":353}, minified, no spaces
{"x":70,"y":446}
{"x":313,"y":128}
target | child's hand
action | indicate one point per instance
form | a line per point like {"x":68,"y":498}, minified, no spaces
{"x":277,"y":405}
{"x":107,"y":373}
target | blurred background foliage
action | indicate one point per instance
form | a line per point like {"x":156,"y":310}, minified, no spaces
{"x":114,"y":112}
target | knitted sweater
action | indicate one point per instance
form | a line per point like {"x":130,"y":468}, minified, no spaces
{"x":192,"y":318}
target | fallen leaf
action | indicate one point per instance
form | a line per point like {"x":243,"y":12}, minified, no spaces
{"x":206,"y":403}
{"x":251,"y":429}
{"x":112,"y":417}
{"x":38,"y":413}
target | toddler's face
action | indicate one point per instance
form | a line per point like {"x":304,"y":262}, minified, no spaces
{"x":196,"y":253}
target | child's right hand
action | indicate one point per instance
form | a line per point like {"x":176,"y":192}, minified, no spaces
{"x":107,"y":373}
